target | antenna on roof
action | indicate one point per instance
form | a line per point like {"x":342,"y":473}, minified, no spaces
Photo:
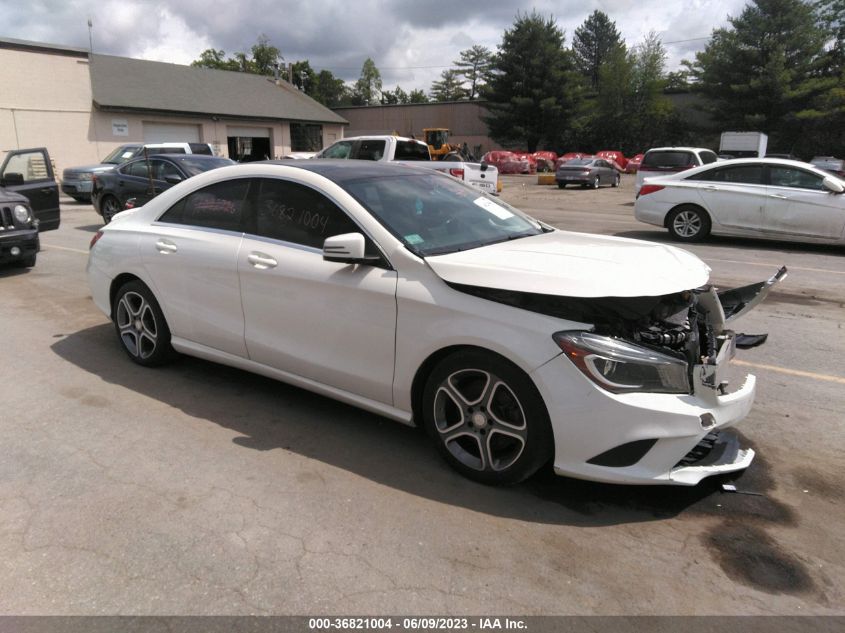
{"x":90,"y":36}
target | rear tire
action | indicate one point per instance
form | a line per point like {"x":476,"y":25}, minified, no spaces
{"x":596,"y":183}
{"x":688,"y":223}
{"x":561,"y":185}
{"x":487,"y":418}
{"x":616,"y":180}
{"x":140,"y":325}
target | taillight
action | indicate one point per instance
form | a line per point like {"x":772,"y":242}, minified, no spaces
{"x":95,"y":239}
{"x":457,"y":172}
{"x":647,"y":189}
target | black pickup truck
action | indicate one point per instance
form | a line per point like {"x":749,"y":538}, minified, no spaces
{"x":29,"y":203}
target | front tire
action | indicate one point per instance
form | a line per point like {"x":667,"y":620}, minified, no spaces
{"x":596,"y":183}
{"x":688,"y":223}
{"x":487,"y":418}
{"x":140,"y":325}
{"x":616,"y":180}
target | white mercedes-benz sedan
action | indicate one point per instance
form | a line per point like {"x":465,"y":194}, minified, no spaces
{"x":751,"y":197}
{"x":402,"y":291}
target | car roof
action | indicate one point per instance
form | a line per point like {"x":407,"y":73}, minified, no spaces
{"x":679,"y":148}
{"x":179,"y":157}
{"x":350,"y":169}
{"x":380,"y":137}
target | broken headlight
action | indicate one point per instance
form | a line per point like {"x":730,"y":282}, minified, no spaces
{"x":623,"y":367}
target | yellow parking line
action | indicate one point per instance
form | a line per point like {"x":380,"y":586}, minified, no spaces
{"x":65,"y":248}
{"x":792,"y":372}
{"x":769,"y":265}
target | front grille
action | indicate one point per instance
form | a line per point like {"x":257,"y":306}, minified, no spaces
{"x":716,"y":447}
{"x":7,"y":220}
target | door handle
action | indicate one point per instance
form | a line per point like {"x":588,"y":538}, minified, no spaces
{"x":261,"y":261}
{"x":165,"y":246}
{"x":46,"y":191}
{"x":778,"y":196}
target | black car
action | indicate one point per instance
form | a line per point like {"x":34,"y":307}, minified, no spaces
{"x":29,"y":172}
{"x":142,"y":179}
{"x":18,"y":230}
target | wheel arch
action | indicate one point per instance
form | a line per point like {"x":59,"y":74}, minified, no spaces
{"x":117,"y":283}
{"x":428,"y":365}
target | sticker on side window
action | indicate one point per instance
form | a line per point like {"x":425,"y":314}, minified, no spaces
{"x":492,"y":207}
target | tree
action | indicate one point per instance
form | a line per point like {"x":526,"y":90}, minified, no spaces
{"x":265,"y":57}
{"x":593,"y":42}
{"x":303,"y":76}
{"x":449,"y":87}
{"x":764,"y":69}
{"x":417,"y":96}
{"x":473,"y":66}
{"x":262,"y":61}
{"x":213,"y":58}
{"x":368,"y":86}
{"x":831,"y":17}
{"x":328,"y":89}
{"x":397,"y":96}
{"x":533,"y":91}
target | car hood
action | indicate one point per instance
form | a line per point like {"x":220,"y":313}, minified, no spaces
{"x":12,"y":197}
{"x":575,"y":265}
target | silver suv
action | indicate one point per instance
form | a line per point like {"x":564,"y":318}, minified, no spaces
{"x":662,"y":161}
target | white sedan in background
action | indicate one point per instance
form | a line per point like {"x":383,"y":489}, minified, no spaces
{"x":750,"y":197}
{"x":402,"y":291}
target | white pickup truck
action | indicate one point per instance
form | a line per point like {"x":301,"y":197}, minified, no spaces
{"x":411,"y":151}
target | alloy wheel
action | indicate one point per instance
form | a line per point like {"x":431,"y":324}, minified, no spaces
{"x":480,"y":420}
{"x":687,"y":224}
{"x":137,"y":327}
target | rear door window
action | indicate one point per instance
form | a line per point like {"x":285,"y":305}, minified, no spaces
{"x":409,"y":150}
{"x":708,"y":157}
{"x":370,"y":150}
{"x":745,"y":174}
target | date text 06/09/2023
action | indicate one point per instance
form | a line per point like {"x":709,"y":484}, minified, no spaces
{"x":415,"y":623}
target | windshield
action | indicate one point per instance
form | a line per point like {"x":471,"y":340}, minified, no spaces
{"x":121,"y":154}
{"x":436,"y":214}
{"x":196,"y":166}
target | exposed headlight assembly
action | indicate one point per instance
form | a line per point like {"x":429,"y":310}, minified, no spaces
{"x":622,"y":367}
{"x":21,"y":213}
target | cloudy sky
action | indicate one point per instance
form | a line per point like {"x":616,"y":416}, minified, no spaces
{"x":411,"y":41}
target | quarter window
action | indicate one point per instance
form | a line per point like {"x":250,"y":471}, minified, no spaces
{"x":218,"y":206}
{"x":292,"y":212}
{"x":411,"y":150}
{"x":795,"y":178}
{"x":708,"y":157}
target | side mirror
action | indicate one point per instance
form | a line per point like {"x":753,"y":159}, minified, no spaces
{"x":831,"y":184}
{"x":347,"y":249}
{"x":12,"y":179}
{"x":173,"y":179}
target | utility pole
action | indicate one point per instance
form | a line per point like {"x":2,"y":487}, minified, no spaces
{"x":90,"y":37}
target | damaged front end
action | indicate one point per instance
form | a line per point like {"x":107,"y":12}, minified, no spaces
{"x":661,"y":361}
{"x":688,"y":327}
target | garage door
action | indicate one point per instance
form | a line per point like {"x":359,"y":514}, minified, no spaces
{"x":171,"y":133}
